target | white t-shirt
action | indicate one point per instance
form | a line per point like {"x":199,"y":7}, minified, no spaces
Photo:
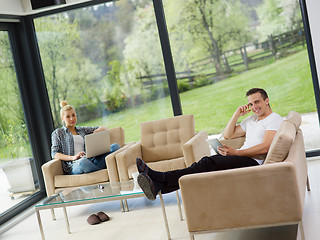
{"x":78,"y":144}
{"x":256,"y":129}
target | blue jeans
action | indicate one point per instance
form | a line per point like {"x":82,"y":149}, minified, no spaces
{"x":87,"y":165}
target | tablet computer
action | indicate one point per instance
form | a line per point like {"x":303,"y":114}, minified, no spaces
{"x":214,"y":144}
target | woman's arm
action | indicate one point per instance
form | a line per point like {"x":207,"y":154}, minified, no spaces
{"x":65,"y":157}
{"x":100,"y":129}
{"x":57,"y":138}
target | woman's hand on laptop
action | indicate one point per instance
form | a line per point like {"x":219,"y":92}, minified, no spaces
{"x":100,"y":129}
{"x":79,"y":155}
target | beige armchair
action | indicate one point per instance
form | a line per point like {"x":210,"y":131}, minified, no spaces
{"x":254,"y":197}
{"x":55,"y":179}
{"x":166,"y":144}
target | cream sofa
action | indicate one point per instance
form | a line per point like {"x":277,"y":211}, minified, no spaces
{"x":253,"y":197}
{"x":55,"y":179}
{"x":166,"y":144}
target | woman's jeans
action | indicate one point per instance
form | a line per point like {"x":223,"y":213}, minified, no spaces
{"x":87,"y":165}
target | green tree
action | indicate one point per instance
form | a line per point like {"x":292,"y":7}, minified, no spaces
{"x":69,"y":75}
{"x":14,"y":135}
{"x":142,"y":39}
{"x":97,"y":31}
{"x":11,"y":111}
{"x":207,"y":27}
{"x":291,"y":13}
{"x":278,"y":16}
{"x":115,"y":95}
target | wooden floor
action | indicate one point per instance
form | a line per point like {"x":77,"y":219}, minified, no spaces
{"x":145,"y":221}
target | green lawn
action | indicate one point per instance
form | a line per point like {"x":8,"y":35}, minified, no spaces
{"x":287,"y":81}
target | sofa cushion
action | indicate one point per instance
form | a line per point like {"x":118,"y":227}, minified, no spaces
{"x":281,"y":143}
{"x":81,"y":179}
{"x":295,"y":118}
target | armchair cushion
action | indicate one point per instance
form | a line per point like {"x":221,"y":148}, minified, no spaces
{"x":62,"y":181}
{"x":196,"y":148}
{"x":166,"y":144}
{"x":112,"y":163}
{"x":126,"y":161}
{"x":117,"y":135}
{"x":162,"y":139}
{"x":50,"y":170}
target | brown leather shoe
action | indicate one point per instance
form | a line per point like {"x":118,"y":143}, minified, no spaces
{"x":103,"y":217}
{"x":93,"y":219}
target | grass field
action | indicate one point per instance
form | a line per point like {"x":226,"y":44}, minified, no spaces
{"x":287,"y":81}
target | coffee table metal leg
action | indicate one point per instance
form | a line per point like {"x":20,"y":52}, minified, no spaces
{"x":40,"y":224}
{"x":53,"y":214}
{"x":122,"y":207}
{"x":126,"y":205}
{"x":165,"y":216}
{"x":66,"y":219}
{"x":179,"y":205}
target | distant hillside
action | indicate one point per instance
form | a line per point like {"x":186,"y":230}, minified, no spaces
{"x":252,"y":4}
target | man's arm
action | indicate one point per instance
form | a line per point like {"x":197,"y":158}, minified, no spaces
{"x":233,"y":130}
{"x":256,"y":150}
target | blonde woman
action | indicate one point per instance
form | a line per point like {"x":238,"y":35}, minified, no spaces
{"x":68,"y":144}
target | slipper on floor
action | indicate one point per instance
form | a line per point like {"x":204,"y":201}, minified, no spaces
{"x":102,"y":216}
{"x":93,"y":219}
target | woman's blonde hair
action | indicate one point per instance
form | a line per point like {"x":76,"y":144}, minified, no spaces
{"x":65,"y":107}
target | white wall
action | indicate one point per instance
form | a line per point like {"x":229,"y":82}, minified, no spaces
{"x":23,"y":7}
{"x":11,"y":7}
{"x":28,"y":9}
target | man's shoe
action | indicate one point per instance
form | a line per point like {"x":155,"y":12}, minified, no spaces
{"x":142,"y":166}
{"x":149,"y":187}
{"x":154,"y":175}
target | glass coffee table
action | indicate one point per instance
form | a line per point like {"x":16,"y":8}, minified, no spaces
{"x":95,"y":194}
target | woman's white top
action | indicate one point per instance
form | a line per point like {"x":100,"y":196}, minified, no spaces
{"x":78,"y":144}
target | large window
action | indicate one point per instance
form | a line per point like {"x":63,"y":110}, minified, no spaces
{"x":106,"y":61}
{"x":223,"y":48}
{"x":18,"y":178}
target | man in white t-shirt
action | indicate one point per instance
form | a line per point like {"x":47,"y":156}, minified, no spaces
{"x":259,"y":130}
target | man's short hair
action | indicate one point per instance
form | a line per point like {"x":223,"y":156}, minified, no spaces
{"x":263,"y":93}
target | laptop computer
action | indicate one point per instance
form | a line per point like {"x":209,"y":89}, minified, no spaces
{"x":97,"y":143}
